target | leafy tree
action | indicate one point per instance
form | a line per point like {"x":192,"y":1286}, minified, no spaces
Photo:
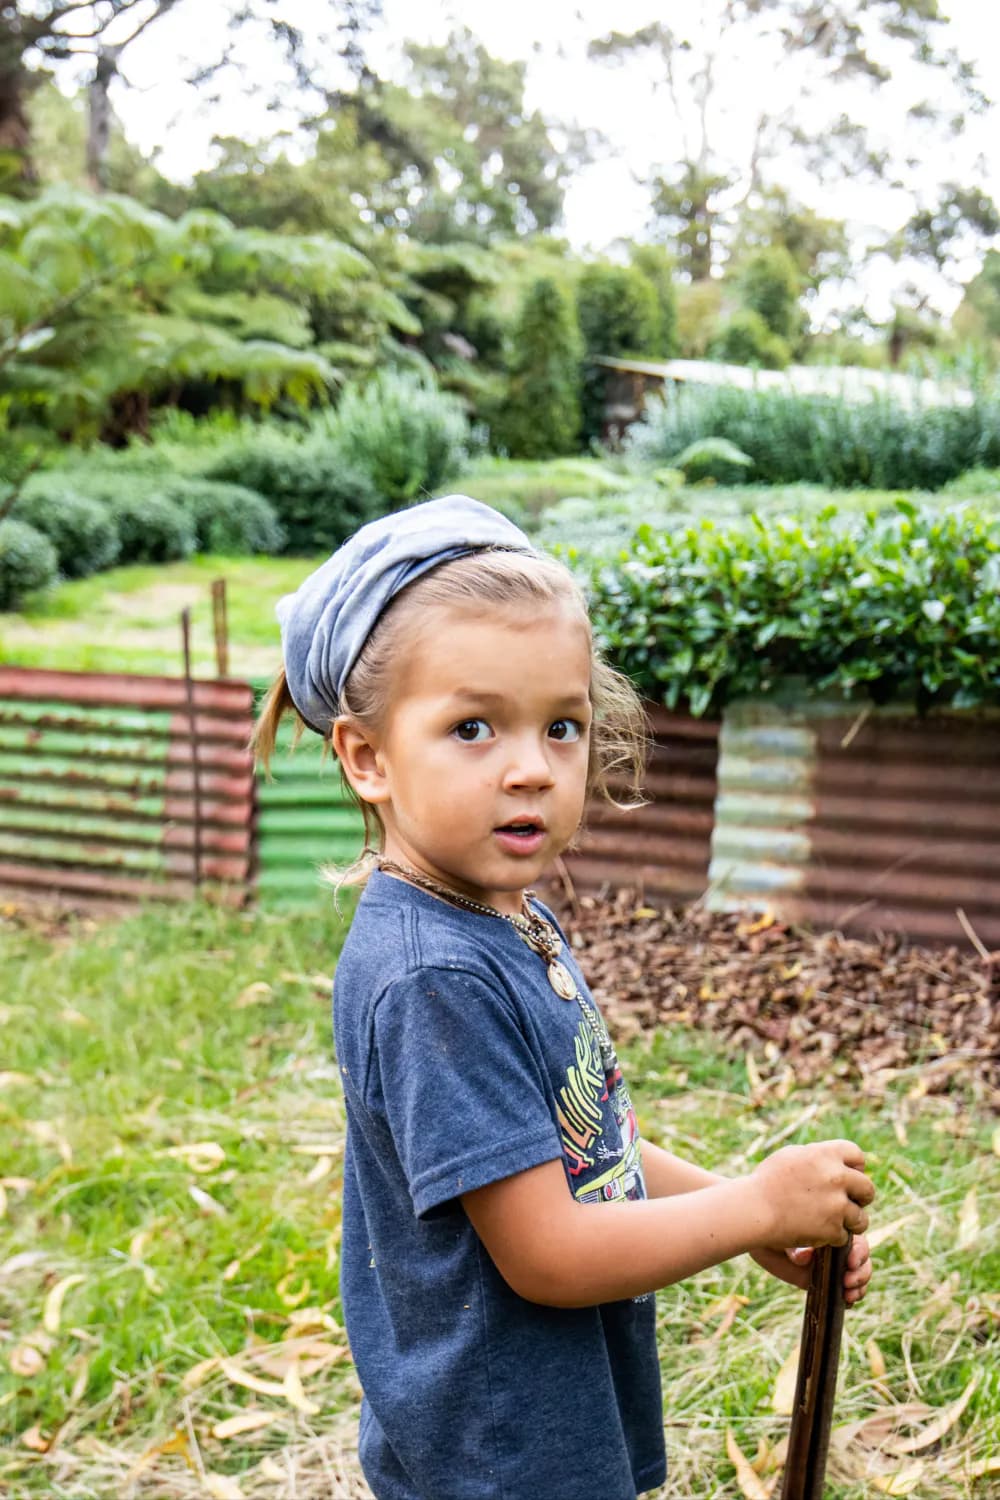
{"x":809,"y":48}
{"x":746,"y":339}
{"x":768,"y":284}
{"x":619,"y":316}
{"x":104,"y":303}
{"x":467,"y":160}
{"x":817,"y":245}
{"x":660,"y":270}
{"x":618,"y":308}
{"x":46,"y":33}
{"x":541,"y":416}
{"x":699,"y":314}
{"x":978,"y":316}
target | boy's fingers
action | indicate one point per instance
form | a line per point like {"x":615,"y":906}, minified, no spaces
{"x":851,"y":1154}
{"x":860,"y":1188}
{"x":856,"y":1220}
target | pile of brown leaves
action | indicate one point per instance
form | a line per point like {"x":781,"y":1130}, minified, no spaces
{"x":868,"y":1008}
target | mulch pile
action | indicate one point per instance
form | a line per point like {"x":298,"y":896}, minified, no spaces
{"x":868,"y":1008}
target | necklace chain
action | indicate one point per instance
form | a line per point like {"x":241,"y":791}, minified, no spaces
{"x":533,"y":930}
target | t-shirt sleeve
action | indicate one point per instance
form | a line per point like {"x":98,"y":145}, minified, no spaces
{"x":462,"y":1091}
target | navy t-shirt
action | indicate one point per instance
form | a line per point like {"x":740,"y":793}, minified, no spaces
{"x":462,"y":1066}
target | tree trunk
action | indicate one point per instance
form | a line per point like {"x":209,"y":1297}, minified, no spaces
{"x":99,"y":118}
{"x":17,"y":171}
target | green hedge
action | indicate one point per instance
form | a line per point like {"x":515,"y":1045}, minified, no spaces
{"x":80,"y":528}
{"x":28,"y":562}
{"x":318,"y":494}
{"x":228,"y":518}
{"x":896,"y":604}
{"x":873,"y":444}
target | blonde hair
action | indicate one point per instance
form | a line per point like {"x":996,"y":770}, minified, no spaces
{"x":619,"y":740}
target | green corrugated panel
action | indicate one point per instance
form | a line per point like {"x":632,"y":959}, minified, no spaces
{"x":80,"y":799}
{"x":45,"y":850}
{"x":82,"y":746}
{"x":98,"y":720}
{"x":304,"y":821}
{"x":84,"y":825}
{"x":149,"y":778}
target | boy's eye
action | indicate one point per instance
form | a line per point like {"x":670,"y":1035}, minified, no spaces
{"x":565,"y":730}
{"x":471,"y":731}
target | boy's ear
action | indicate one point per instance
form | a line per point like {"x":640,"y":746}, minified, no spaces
{"x":360,"y":759}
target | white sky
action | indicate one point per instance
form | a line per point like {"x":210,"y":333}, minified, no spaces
{"x":608,"y":200}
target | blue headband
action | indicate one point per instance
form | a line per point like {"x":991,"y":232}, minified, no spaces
{"x":326,"y":622}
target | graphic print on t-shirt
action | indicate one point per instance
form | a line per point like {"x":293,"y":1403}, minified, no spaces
{"x":598,"y":1128}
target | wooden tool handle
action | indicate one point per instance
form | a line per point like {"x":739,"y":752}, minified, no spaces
{"x":812,"y":1414}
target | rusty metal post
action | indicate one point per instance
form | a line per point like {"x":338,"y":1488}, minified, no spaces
{"x":816,"y":1383}
{"x":195,"y":768}
{"x":220,"y":621}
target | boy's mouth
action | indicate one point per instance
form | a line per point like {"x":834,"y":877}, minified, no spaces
{"x":522,"y":836}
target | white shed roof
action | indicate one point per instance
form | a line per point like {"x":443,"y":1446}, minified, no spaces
{"x":848,"y":382}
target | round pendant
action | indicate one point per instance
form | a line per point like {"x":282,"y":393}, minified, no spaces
{"x":562,"y":980}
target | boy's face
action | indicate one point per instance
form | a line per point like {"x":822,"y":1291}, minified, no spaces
{"x":489,"y":726}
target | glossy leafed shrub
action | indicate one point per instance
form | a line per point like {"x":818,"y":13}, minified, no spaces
{"x":900,"y":604}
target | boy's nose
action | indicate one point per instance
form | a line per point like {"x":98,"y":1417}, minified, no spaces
{"x":529,"y":765}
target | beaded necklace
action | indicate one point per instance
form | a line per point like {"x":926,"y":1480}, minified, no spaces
{"x":539,"y":935}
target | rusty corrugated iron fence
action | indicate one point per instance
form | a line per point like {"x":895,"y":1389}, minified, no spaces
{"x":866,"y":820}
{"x":663,"y":848}
{"x":124,"y":787}
{"x":142,"y":788}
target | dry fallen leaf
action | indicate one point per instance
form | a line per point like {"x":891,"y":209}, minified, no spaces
{"x":178,"y":1444}
{"x":34,"y":1440}
{"x":885,"y":1232}
{"x":27,"y":1360}
{"x":200,"y":1156}
{"x":268,"y":1468}
{"x":206,"y":1202}
{"x":81,"y":1365}
{"x":872,"y":1431}
{"x":981,"y":1467}
{"x":251,"y":1420}
{"x":902,"y":1482}
{"x":254,"y":994}
{"x":296,"y":1396}
{"x":10,"y":1080}
{"x":322,"y":1168}
{"x":198,"y":1373}
{"x":783,"y":1395}
{"x":752,"y":1487}
{"x":222,"y":1487}
{"x":54,"y":1301}
{"x":293,"y":1298}
{"x":935,"y":1430}
{"x":250,"y":1382}
{"x":968,"y":1221}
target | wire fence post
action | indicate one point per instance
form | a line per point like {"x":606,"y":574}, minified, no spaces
{"x":220,"y":622}
{"x":195,"y":766}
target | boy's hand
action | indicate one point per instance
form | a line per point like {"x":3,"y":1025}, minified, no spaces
{"x":814,"y":1195}
{"x":857,"y":1274}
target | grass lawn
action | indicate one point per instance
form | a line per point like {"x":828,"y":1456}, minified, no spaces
{"x":171,"y":1133}
{"x":128,"y":619}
